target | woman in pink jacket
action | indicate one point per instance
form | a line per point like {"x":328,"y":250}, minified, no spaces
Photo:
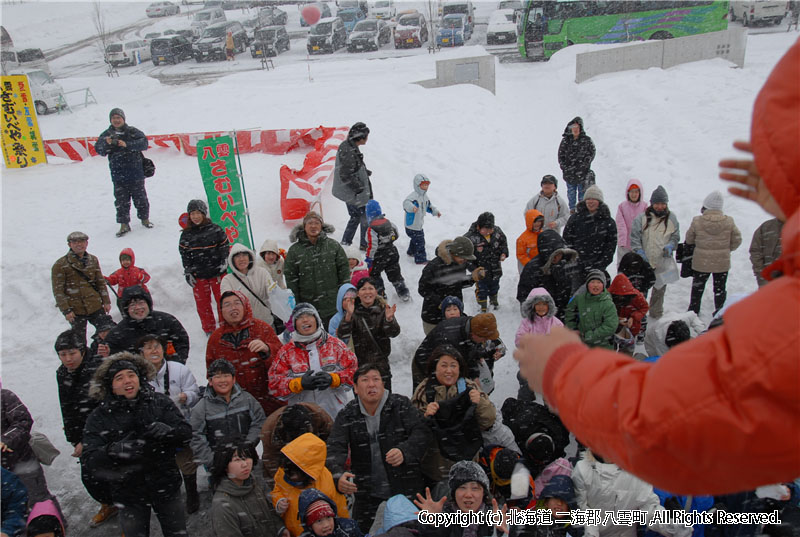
{"x":627,"y":211}
{"x":538,"y":314}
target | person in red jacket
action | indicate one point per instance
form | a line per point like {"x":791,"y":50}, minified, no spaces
{"x":631,"y":306}
{"x":719,"y":413}
{"x":249,"y":344}
{"x":129,"y":274}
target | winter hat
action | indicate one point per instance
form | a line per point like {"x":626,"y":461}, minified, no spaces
{"x":77,"y":236}
{"x":486,"y":220}
{"x":593,"y":193}
{"x":550,"y":179}
{"x":116,"y":112}
{"x":659,"y":195}
{"x":465,"y":472}
{"x":45,"y":524}
{"x":714,"y":201}
{"x":452,"y":301}
{"x":373,"y":210}
{"x":312,"y":214}
{"x":595,"y":274}
{"x":317,"y":511}
{"x":540,"y":449}
{"x":116,"y":367}
{"x":197,"y":205}
{"x":484,"y":325}
{"x":462,"y":247}
{"x":502,"y":466}
{"x":69,"y":340}
{"x":305,"y":308}
{"x":677,"y":332}
{"x":358,"y":131}
{"x":221,"y":365}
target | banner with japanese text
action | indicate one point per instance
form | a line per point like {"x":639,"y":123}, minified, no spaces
{"x":217,"y":160}
{"x":22,"y":142}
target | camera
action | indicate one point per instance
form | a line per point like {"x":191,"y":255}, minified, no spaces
{"x":114,"y":139}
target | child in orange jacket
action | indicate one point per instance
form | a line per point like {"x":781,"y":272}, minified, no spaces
{"x":129,"y":275}
{"x":527,"y":243}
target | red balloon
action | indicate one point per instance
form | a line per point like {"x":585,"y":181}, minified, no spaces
{"x":311,"y":14}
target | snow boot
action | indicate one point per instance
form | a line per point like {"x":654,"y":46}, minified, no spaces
{"x":402,"y":290}
{"x":147,"y":223}
{"x":106,"y":511}
{"x":495,"y":303}
{"x":123,"y":229}
{"x":483,"y":304}
{"x":192,"y":498}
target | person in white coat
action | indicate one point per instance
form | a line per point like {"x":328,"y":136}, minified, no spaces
{"x":252,"y":280}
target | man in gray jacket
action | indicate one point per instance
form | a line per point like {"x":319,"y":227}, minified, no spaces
{"x":552,"y":206}
{"x":765,"y":247}
{"x":351,"y":182}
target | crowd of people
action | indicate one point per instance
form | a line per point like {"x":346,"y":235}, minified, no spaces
{"x":341,"y":453}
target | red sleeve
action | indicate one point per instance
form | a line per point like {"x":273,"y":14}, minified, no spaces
{"x":641,"y":307}
{"x":278,"y":373}
{"x":212,"y":346}
{"x":717,"y":414}
{"x":347,"y":359}
{"x":113,"y":278}
{"x":268,"y":336}
{"x":144,"y":276}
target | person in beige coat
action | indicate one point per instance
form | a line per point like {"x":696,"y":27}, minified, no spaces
{"x":272,"y":259}
{"x":252,"y":280}
{"x":715,"y":236}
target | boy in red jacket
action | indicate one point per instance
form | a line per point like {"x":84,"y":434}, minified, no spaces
{"x":129,"y":274}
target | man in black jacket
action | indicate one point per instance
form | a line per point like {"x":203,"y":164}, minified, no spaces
{"x":139,"y":319}
{"x":575,"y":155}
{"x":386,"y":438}
{"x":351,"y":182}
{"x":592,"y":232}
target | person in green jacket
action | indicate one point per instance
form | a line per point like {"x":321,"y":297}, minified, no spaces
{"x":592,"y":312}
{"x":316,"y":265}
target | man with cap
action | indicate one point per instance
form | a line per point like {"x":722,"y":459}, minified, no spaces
{"x":123,"y":145}
{"x":79,"y":286}
{"x":316,"y":265}
{"x":550,"y":204}
{"x":476,"y":338}
{"x":592,"y":232}
{"x":351,"y":182}
{"x":446,"y":275}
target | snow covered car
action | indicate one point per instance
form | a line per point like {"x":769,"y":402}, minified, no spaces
{"x":211,"y":44}
{"x":362,"y":5}
{"x":502,"y":27}
{"x":369,"y":34}
{"x":162,"y":9}
{"x":269,"y":41}
{"x":129,"y":53}
{"x":753,"y":11}
{"x":272,"y":16}
{"x":324,"y":12}
{"x":350,"y":17}
{"x":172,"y":49}
{"x":47,"y":93}
{"x":454,"y":31}
{"x":411,"y":31}
{"x":206,"y":17}
{"x":328,"y":35}
{"x":384,"y":9}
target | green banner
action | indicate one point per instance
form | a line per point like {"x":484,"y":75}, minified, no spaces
{"x":227,"y":208}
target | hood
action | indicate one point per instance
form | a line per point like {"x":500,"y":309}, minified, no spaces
{"x":238,"y":248}
{"x":622,"y":286}
{"x":373,"y":210}
{"x":568,"y":131}
{"x":134,"y":291}
{"x":606,"y":470}
{"x":530,"y":218}
{"x":775,"y":131}
{"x":248,"y":310}
{"x":537,"y":295}
{"x":299,"y":234}
{"x":560,"y":486}
{"x":441,"y":251}
{"x":129,"y":252}
{"x":309,"y":496}
{"x":549,"y":241}
{"x":269,"y":245}
{"x":46,"y":508}
{"x":229,"y":487}
{"x":340,"y":296}
{"x":419,"y":178}
{"x":308,"y":452}
{"x":637,"y":184}
{"x":147,"y":372}
{"x":399,"y":510}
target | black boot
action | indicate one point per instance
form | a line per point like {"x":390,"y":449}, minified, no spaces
{"x":192,"y":499}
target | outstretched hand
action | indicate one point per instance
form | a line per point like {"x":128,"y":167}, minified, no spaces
{"x":503,"y":526}
{"x":389,"y":311}
{"x":746,"y":174}
{"x":426,"y":503}
{"x":533,"y":352}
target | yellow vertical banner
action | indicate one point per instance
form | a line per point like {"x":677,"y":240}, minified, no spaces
{"x":22,"y":142}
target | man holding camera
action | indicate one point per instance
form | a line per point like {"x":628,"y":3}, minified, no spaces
{"x":124,"y":145}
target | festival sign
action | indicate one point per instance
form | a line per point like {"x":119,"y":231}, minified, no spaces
{"x":22,"y":142}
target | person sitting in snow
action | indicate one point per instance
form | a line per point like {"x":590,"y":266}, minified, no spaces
{"x":382,"y":255}
{"x":129,"y":274}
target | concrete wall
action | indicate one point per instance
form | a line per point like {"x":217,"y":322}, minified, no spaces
{"x":728,"y":44}
{"x":478,"y":70}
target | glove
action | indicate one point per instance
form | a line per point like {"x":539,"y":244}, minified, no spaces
{"x":322,"y":380}
{"x":191,"y":280}
{"x":668,"y":250}
{"x":307,"y":381}
{"x":128,"y":449}
{"x":158,"y":430}
{"x":672,"y":504}
{"x":478,"y":274}
{"x":641,"y":254}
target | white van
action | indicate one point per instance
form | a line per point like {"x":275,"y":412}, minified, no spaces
{"x":47,"y":93}
{"x":129,"y":53}
{"x":206,"y":17}
{"x":758,"y":11}
{"x":28,"y":58}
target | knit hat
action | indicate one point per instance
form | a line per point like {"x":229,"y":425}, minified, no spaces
{"x":484,"y":325}
{"x":197,"y":205}
{"x":317,"y":511}
{"x":373,"y":210}
{"x":659,"y":195}
{"x":462,"y":247}
{"x":593,"y":193}
{"x":465,"y":472}
{"x":312,"y":214}
{"x":69,"y":340}
{"x":77,"y":236}
{"x":540,"y":449}
{"x":305,"y":308}
{"x":116,"y":367}
{"x":503,"y":464}
{"x":220,"y":365}
{"x":714,"y":201}
{"x":550,"y":179}
{"x":116,"y":112}
{"x":358,"y":131}
{"x":486,"y":220}
{"x":677,"y":332}
{"x":451,"y":301}
{"x":595,"y":274}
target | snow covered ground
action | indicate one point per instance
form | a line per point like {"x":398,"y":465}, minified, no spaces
{"x":482,"y":151}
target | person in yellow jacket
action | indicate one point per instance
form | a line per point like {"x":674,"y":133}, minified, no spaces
{"x":303,"y":467}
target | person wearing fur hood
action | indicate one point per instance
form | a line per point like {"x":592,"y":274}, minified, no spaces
{"x":538,"y":314}
{"x":250,"y":279}
{"x":130,"y":441}
{"x":316,"y":265}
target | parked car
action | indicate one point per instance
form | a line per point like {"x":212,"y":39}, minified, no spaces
{"x":129,"y":53}
{"x":235,"y":4}
{"x":384,"y":9}
{"x":411,"y":31}
{"x":151,"y":35}
{"x":269,"y":41}
{"x":250,"y":26}
{"x":515,"y":5}
{"x":272,"y":16}
{"x":162,"y":9}
{"x":502,"y":27}
{"x":350,"y":17}
{"x":453,"y":7}
{"x":454,"y":31}
{"x":369,"y":34}
{"x":172,"y":49}
{"x":328,"y":35}
{"x":211,"y":44}
{"x":205,"y":18}
{"x":363,"y":5}
{"x":324,"y":10}
{"x":47,"y":93}
{"x":27,"y":58}
{"x":758,"y":11}
{"x":185,"y":33}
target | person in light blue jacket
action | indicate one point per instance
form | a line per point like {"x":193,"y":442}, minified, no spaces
{"x":333,"y":324}
{"x":415,"y":206}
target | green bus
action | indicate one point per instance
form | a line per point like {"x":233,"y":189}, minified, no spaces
{"x":546,"y":27}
